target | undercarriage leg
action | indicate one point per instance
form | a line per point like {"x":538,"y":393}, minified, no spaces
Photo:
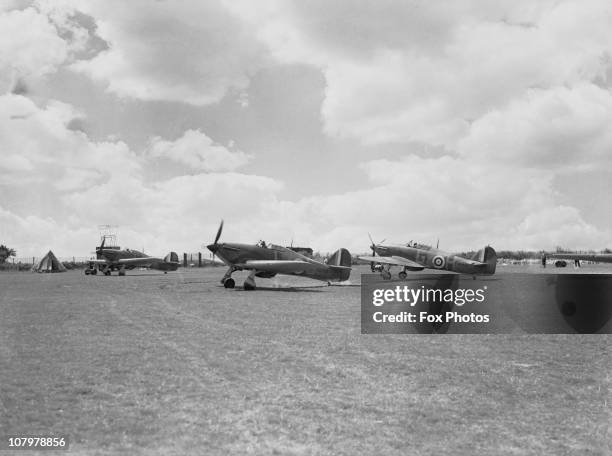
{"x":249,"y":283}
{"x":228,"y":274}
{"x":386,"y":272}
{"x":227,"y":280}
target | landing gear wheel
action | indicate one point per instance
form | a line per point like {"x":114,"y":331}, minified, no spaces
{"x":94,"y":271}
{"x":87,"y":272}
{"x":121,"y":273}
{"x":248,"y":286}
{"x":402,"y":275}
{"x":229,"y":283}
{"x":107,"y":273}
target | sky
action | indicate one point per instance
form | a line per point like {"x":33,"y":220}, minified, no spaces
{"x":314,"y":123}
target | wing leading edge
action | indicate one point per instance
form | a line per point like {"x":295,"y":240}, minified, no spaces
{"x":396,"y":261}
{"x":281,"y":266}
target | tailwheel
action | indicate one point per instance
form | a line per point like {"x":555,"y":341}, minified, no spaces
{"x":229,"y":283}
{"x":248,"y":286}
{"x":402,"y":275}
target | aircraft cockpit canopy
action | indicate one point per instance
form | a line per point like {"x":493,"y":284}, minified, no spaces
{"x":416,"y":245}
{"x":262,"y":244}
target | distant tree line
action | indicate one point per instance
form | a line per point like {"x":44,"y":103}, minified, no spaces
{"x":5,"y":253}
{"x":533,"y":254}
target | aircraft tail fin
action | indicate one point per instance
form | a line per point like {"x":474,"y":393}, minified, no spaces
{"x":342,"y":259}
{"x":488,"y":256}
{"x":172,"y":257}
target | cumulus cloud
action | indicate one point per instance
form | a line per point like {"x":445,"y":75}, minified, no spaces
{"x":190,"y":51}
{"x":59,"y":181}
{"x":513,"y":92}
{"x":462,"y":203}
{"x":29,"y":47}
{"x":198,"y":151}
{"x":562,"y":128}
{"x":417,"y":71}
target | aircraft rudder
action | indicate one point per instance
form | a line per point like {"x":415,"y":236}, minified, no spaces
{"x":342,"y":257}
{"x":490,"y":257}
{"x":172,"y":257}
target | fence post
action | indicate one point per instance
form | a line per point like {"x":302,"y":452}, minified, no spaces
{"x":184,"y":259}
{"x":199,"y":259}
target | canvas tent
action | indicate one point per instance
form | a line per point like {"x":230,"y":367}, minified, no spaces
{"x":49,"y":263}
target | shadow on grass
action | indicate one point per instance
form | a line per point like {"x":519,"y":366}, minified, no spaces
{"x":304,"y":289}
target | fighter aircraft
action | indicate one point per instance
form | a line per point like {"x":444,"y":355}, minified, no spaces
{"x":577,"y":258}
{"x":268,"y":260}
{"x":112,"y":258}
{"x":416,"y":257}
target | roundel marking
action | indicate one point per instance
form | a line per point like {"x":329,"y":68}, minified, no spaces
{"x":438,"y":261}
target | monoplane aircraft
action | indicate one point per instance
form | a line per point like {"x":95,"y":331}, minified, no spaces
{"x":577,"y":258}
{"x":416,"y":257}
{"x":112,"y":258}
{"x":266,"y":261}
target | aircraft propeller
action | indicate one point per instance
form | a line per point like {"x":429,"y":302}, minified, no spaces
{"x":101,"y":246}
{"x":213,"y":247}
{"x":219,"y":231}
{"x":373,"y":245}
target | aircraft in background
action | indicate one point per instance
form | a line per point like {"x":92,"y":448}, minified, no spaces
{"x":268,"y":260}
{"x":112,"y":258}
{"x":576,"y":258}
{"x":416,"y":257}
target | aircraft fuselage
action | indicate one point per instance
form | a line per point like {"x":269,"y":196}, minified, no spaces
{"x":437,"y":259}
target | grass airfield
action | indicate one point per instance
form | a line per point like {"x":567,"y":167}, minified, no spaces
{"x":176,"y":364}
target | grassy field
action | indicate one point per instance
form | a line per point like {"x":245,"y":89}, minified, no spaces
{"x":176,"y":364}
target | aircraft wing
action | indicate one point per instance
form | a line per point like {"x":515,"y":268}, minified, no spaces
{"x":98,"y":261}
{"x":130,"y":261}
{"x":281,"y":266}
{"x":396,"y":261}
{"x":137,"y":261}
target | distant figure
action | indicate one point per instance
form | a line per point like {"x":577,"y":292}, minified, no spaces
{"x":576,"y":263}
{"x":543,"y":261}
